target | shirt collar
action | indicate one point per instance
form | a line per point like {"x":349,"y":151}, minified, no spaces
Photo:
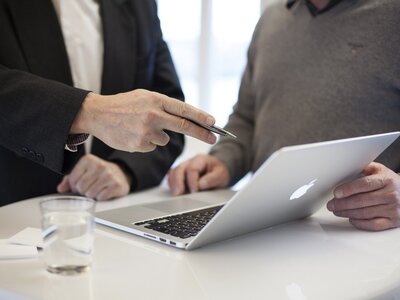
{"x":311,"y":7}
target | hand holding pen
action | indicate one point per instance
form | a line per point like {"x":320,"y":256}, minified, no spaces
{"x":136,"y":121}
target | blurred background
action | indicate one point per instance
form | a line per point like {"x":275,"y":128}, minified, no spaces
{"x":208,"y":40}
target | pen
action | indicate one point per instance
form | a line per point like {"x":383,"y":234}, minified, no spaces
{"x":217,"y":130}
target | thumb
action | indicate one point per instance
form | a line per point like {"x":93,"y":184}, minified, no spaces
{"x":372,"y":168}
{"x":63,"y":186}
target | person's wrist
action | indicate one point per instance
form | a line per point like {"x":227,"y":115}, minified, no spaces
{"x":83,"y":122}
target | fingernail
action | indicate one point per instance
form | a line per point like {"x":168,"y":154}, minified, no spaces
{"x":331,"y":206}
{"x":175,"y":191}
{"x":338,"y":193}
{"x":210,"y":121}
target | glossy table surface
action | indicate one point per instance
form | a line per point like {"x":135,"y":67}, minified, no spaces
{"x":321,"y":257}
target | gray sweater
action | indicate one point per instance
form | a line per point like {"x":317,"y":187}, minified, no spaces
{"x":310,"y":79}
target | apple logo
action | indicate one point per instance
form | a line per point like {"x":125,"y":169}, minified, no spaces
{"x":302,"y":190}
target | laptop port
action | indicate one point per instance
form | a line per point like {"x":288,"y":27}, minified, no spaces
{"x":163,"y":240}
{"x":150,"y":236}
{"x":172,"y":243}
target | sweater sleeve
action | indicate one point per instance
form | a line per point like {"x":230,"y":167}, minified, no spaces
{"x":237,"y":154}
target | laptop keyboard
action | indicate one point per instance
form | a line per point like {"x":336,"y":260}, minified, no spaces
{"x":182,"y":225}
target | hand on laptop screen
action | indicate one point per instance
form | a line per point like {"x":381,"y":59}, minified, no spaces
{"x":371,"y":202}
{"x":203,"y":172}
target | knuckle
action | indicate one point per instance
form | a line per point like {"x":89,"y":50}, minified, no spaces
{"x":393,"y":211}
{"x":80,"y":187}
{"x":110,"y":187}
{"x":114,"y":185}
{"x":368,"y":181}
{"x":191,"y":169}
{"x":390,"y":181}
{"x":141,"y":91}
{"x":156,"y":98}
{"x":136,"y":92}
{"x":133,"y":144}
{"x":365,"y":213}
{"x":98,"y":167}
{"x":381,"y":182}
{"x":179,"y":170}
{"x":141,"y":132}
{"x":205,"y":134}
{"x":141,"y":142}
{"x":130,"y":148}
{"x":184,"y":124}
{"x":194,"y":166}
{"x":90,"y":156}
{"x":146,"y":133}
{"x":202,"y":117}
{"x":394,"y":196}
{"x":149,"y":117}
{"x":202,"y":157}
{"x":72,"y":180}
{"x":183,"y":109}
{"x":108,"y":176}
{"x":371,"y":212}
{"x":359,"y":200}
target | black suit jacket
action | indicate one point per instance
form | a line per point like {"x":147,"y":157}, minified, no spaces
{"x":38,"y":104}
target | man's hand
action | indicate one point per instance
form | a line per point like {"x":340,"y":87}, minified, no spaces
{"x":136,"y":120}
{"x":96,"y":178}
{"x":202,"y":172}
{"x":371,"y":202}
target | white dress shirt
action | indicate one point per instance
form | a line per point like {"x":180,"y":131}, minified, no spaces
{"x":83,"y":37}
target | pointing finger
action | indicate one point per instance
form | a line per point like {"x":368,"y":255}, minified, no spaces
{"x":185,"y":126}
{"x":184,"y":110}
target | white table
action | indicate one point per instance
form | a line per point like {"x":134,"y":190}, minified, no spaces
{"x":321,"y":257}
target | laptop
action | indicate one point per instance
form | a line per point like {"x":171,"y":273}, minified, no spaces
{"x":293,"y":183}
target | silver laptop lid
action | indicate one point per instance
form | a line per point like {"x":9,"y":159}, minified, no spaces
{"x":292,"y":184}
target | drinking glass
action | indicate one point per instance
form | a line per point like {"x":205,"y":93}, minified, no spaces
{"x":68,"y":233}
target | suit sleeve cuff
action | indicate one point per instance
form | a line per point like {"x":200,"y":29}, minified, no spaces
{"x":74,"y":140}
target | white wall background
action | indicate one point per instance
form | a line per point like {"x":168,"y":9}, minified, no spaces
{"x":208,"y":40}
